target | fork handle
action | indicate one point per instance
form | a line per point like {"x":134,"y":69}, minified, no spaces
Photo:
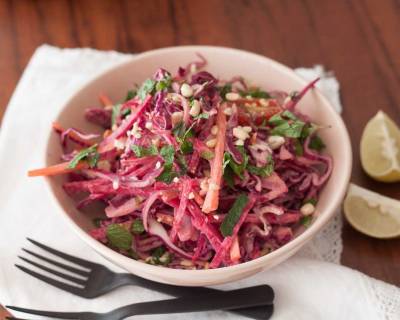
{"x":240,"y":298}
{"x":177,"y":291}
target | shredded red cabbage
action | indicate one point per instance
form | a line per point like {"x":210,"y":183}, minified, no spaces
{"x":163,"y":153}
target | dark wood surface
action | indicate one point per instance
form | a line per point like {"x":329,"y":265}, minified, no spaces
{"x":359,"y":40}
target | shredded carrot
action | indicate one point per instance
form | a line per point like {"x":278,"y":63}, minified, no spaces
{"x":57,"y":169}
{"x":199,"y":200}
{"x":235,"y":251}
{"x":105,"y":100}
{"x":212,"y":196}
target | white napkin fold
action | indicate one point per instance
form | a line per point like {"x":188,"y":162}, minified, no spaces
{"x":305,"y":288}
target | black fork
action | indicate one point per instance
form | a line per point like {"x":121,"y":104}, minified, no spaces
{"x":93,"y":280}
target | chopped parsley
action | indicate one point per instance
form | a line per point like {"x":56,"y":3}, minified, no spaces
{"x":255,"y":93}
{"x":237,"y":168}
{"x":116,"y":109}
{"x":306,"y":221}
{"x":233,"y":216}
{"x":130,"y":95}
{"x":168,"y":174}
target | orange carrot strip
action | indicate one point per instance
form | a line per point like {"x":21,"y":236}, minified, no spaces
{"x":199,"y":200}
{"x":57,"y":169}
{"x":105,"y":100}
{"x":212,"y":196}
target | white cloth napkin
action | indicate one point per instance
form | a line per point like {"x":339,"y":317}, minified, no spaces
{"x":311,"y":285}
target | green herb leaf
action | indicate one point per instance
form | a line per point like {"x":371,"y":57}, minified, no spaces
{"x":290,"y":130}
{"x":208,"y":155}
{"x":168,"y":153}
{"x":224,"y":90}
{"x":158,"y":252}
{"x":137,"y":226}
{"x":233,"y":215}
{"x":182,"y":164}
{"x":164,"y":83}
{"x":167,"y":175}
{"x":298,"y":147}
{"x":255,"y":93}
{"x":179,"y":129}
{"x":316,"y":143}
{"x":130,"y":95}
{"x":276,"y":120}
{"x":141,"y":152}
{"x":202,"y":116}
{"x":306,"y":221}
{"x":87,"y":153}
{"x":146,"y":88}
{"x":93,"y":159}
{"x":125,"y":112}
{"x":237,"y":168}
{"x":115,"y":113}
{"x":229,"y":177}
{"x":265,"y":171}
{"x":119,"y":237}
{"x":289,"y":115}
{"x":313,"y":201}
{"x":186,"y":147}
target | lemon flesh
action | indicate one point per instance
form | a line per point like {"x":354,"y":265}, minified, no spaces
{"x":371,"y":213}
{"x":380,"y":149}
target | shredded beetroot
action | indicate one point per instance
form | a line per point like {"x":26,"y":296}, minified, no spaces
{"x":170,"y":166}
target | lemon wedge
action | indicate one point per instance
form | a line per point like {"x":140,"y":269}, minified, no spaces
{"x":371,"y":213}
{"x":380,"y":149}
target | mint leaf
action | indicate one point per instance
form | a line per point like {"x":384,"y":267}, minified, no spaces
{"x":263,"y":172}
{"x":141,"y":152}
{"x":167,"y":175}
{"x":119,"y":237}
{"x":202,"y":116}
{"x":130,"y":95}
{"x":164,"y":83}
{"x":88,"y":153}
{"x":316,"y":143}
{"x":289,"y":115}
{"x":306,"y":221}
{"x":125,"y":112}
{"x":276,"y":120}
{"x":224,"y":90}
{"x":208,"y":155}
{"x":237,"y":168}
{"x":137,"y":226}
{"x":290,"y":130}
{"x":186,"y":147}
{"x":116,"y":109}
{"x":168,"y":153}
{"x":229,"y":177}
{"x":298,"y":147}
{"x":255,"y":93}
{"x":146,"y":88}
{"x":233,"y":216}
{"x":313,"y":201}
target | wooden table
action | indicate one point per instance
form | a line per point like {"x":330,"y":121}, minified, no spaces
{"x":358,"y":40}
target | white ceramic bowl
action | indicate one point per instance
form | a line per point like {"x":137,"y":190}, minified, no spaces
{"x":224,"y":63}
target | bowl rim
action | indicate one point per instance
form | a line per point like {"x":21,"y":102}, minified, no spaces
{"x":291,"y":246}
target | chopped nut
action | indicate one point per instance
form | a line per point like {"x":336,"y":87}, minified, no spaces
{"x":228,"y":111}
{"x":191,"y":195}
{"x":120,"y":145}
{"x":149,"y":125}
{"x":307,"y":209}
{"x":176,"y":117}
{"x":214,"y":130}
{"x":239,"y":142}
{"x":186,"y":90}
{"x":275,"y":141}
{"x":240,"y":133}
{"x":195,"y":109}
{"x":176,"y":180}
{"x":211,"y":143}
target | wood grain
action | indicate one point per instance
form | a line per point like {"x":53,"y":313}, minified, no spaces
{"x":358,"y":40}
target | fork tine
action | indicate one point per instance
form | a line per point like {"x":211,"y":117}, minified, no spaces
{"x":60,"y":315}
{"x":59,"y":274}
{"x":63,"y":255}
{"x":58,"y":264}
{"x":53,"y":282}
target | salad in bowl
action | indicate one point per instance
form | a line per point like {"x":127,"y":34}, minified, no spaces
{"x":196,"y":172}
